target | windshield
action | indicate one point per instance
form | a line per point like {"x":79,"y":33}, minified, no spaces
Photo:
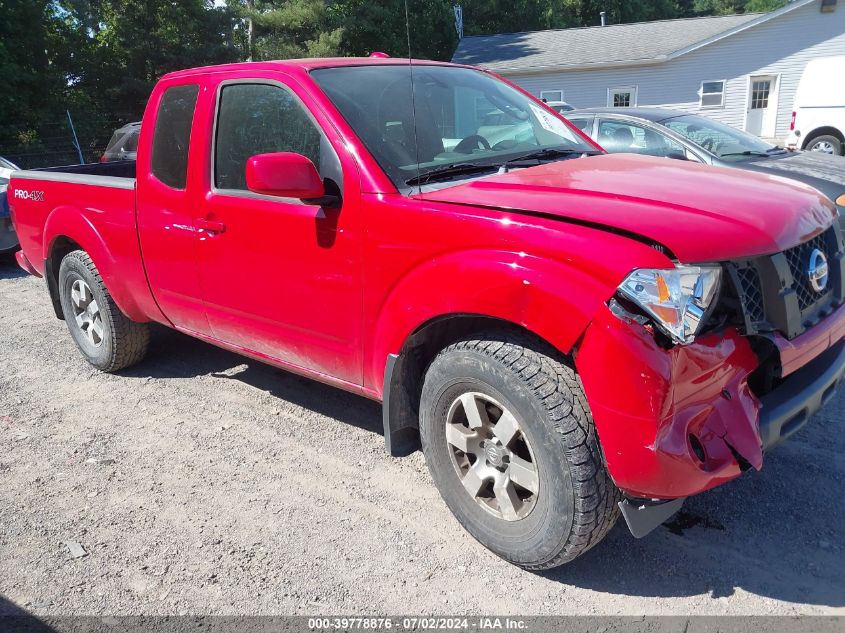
{"x":463,"y":117}
{"x":4,"y":164}
{"x":719,"y":139}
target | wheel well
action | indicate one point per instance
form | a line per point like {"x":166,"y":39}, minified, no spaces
{"x":832,"y":131}
{"x":61,"y":246}
{"x":406,"y":370}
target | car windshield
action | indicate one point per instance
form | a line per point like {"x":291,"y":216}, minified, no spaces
{"x":464,"y":119}
{"x":719,"y":139}
{"x":4,"y":164}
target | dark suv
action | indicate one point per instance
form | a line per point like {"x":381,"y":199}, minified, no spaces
{"x":123,"y":144}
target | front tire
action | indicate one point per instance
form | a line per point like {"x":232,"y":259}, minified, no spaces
{"x":825,"y":144}
{"x":511,"y":445}
{"x":107,"y":338}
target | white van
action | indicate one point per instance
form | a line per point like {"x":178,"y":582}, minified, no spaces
{"x":818,"y":117}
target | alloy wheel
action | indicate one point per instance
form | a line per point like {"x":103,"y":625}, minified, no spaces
{"x":823,"y":147}
{"x":86,"y":312}
{"x":492,"y":456}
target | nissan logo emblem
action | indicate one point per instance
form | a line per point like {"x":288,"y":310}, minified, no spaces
{"x":819,"y":271}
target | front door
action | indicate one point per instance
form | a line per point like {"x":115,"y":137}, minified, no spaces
{"x":280,"y":277}
{"x":762,"y":105}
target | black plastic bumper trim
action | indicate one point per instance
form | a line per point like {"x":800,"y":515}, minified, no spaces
{"x":642,"y":517}
{"x":804,"y":393}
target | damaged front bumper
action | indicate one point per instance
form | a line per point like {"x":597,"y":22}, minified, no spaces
{"x":676,"y":422}
{"x":802,"y":394}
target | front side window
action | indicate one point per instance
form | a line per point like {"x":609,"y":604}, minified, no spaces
{"x":719,"y":139}
{"x":582,"y":124}
{"x":623,"y":136}
{"x":622,"y":97}
{"x":712,"y":94}
{"x":259,"y":119}
{"x":173,"y":135}
{"x":457,"y":116}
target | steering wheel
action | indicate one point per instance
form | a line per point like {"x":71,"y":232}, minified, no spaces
{"x":707,"y":144}
{"x":471,"y":142}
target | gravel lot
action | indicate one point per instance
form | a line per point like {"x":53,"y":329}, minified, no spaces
{"x":201,"y":482}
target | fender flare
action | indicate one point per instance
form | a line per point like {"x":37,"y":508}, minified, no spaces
{"x":553,"y":300}
{"x":69,"y":222}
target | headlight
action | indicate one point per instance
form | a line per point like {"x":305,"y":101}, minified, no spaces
{"x":678,"y":299}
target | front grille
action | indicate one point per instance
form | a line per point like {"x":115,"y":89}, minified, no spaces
{"x":752,"y":294}
{"x":775,"y":293}
{"x":798,"y":259}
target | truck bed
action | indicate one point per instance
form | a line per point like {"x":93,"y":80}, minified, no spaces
{"x":113,"y":174}
{"x":90,"y":207}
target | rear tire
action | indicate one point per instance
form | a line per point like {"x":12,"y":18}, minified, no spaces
{"x":538,"y":521}
{"x":825,"y":144}
{"x":107,"y":338}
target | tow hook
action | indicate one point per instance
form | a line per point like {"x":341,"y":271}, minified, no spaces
{"x":643,"y":515}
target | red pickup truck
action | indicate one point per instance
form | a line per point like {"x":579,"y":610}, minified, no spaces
{"x":567,"y":334}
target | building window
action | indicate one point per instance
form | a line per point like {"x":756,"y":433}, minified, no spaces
{"x":551,"y":95}
{"x":712,"y":94}
{"x":760,"y":94}
{"x":622,"y":97}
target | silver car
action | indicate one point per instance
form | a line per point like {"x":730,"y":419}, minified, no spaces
{"x":123,"y":144}
{"x":8,"y":239}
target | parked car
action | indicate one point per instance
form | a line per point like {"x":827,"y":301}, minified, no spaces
{"x":818,"y":113}
{"x":123,"y":144}
{"x":8,"y":239}
{"x":559,"y":106}
{"x":675,"y":134}
{"x":565,"y":333}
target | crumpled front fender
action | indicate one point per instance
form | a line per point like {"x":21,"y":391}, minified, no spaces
{"x":671,"y":421}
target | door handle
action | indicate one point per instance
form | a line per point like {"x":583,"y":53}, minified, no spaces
{"x":211,"y":226}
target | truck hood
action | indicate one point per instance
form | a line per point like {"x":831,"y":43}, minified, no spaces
{"x":701,"y":213}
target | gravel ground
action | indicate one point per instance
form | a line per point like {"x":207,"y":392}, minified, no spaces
{"x":200,"y":482}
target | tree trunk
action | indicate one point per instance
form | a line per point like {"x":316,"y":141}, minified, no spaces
{"x":250,"y":31}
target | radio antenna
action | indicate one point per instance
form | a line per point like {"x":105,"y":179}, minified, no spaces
{"x":413,"y":95}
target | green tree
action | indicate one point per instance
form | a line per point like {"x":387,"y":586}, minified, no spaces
{"x":380,"y":26}
{"x":32,"y":65}
{"x":140,"y":40}
{"x":764,"y":6}
{"x":284,"y":29}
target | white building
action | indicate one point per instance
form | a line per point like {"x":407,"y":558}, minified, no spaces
{"x":740,"y":69}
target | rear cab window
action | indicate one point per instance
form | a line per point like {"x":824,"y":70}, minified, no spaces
{"x":173,"y":135}
{"x":115,"y":139}
{"x":130,"y":144}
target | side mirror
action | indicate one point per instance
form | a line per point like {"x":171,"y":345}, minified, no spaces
{"x":284,"y":174}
